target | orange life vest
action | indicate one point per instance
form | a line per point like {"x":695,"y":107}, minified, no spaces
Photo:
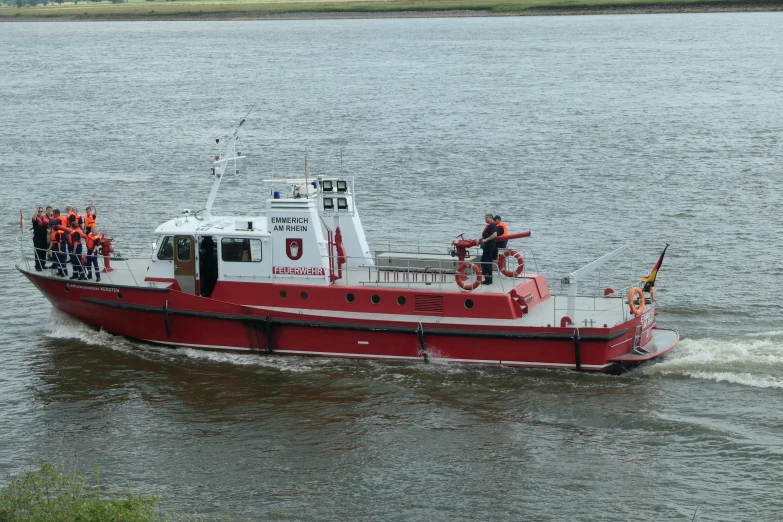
{"x":76,"y":216}
{"x":89,"y":221}
{"x":75,"y":237}
{"x":57,"y":235}
{"x":92,"y":240}
{"x":504,"y":227}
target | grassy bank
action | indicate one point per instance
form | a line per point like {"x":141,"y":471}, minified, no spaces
{"x":286,"y":9}
{"x":51,"y":493}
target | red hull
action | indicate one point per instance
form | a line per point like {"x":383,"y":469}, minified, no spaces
{"x":172,"y":317}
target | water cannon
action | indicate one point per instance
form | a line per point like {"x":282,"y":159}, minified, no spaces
{"x":106,"y":250}
{"x":462,"y":245}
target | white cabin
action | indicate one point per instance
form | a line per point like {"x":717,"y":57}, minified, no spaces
{"x":295,"y":241}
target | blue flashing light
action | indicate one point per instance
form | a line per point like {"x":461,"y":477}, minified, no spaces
{"x":276,"y":195}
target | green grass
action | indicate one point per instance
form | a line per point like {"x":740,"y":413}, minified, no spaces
{"x":141,"y":8}
{"x":51,"y":494}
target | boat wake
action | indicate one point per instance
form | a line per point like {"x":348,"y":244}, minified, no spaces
{"x":64,"y":327}
{"x":752,"y":360}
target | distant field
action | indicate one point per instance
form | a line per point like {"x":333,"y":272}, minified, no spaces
{"x":133,"y":9}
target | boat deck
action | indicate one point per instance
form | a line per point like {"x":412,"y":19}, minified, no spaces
{"x":590,"y":311}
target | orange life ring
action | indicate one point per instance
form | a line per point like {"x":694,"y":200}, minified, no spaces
{"x":636,"y":310}
{"x":520,"y":264}
{"x":462,"y":279}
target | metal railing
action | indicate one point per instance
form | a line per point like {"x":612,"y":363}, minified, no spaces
{"x":418,"y":248}
{"x":54,"y":264}
{"x":559,"y":311}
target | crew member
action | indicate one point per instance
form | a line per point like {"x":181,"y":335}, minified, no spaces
{"x":75,"y":246}
{"x":59,"y":242}
{"x":40,"y":224}
{"x":488,"y":246}
{"x":89,"y":217}
{"x":74,"y":215}
{"x":93,"y":243}
{"x":49,"y":217}
{"x":502,"y":230}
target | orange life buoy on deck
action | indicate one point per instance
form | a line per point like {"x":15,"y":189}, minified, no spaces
{"x":636,"y":310}
{"x":502,"y":264}
{"x":462,"y":278}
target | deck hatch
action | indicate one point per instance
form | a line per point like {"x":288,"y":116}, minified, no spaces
{"x":428,"y":304}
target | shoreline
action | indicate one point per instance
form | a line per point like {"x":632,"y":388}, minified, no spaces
{"x":566,"y":10}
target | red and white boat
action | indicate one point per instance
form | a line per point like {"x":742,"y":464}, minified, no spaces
{"x":302,"y":280}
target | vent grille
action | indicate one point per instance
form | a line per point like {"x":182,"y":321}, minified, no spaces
{"x":428,"y":304}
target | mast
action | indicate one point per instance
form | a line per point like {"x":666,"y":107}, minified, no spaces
{"x":228,"y":154}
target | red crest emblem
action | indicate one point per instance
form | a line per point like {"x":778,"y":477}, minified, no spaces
{"x":293,"y":247}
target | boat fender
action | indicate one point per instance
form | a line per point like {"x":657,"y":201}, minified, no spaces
{"x":508,"y":272}
{"x":636,"y":310}
{"x":462,"y":279}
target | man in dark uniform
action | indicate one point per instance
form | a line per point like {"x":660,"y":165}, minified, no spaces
{"x":487,"y":243}
{"x":40,"y":225}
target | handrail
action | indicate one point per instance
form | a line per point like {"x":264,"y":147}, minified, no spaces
{"x":52,"y":265}
{"x":418,"y":246}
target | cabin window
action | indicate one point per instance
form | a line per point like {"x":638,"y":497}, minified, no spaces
{"x":183,"y":249}
{"x":166,"y":249}
{"x":240,"y":250}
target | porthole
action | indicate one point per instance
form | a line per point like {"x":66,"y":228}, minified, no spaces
{"x":401,"y":300}
{"x":468,"y":303}
{"x":375,"y":299}
{"x":119,"y":295}
{"x":350,"y":298}
{"x":303,"y":295}
{"x":283,"y":294}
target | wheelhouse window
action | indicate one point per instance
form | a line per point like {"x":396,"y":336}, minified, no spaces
{"x":166,"y":249}
{"x":183,"y":249}
{"x":240,"y":250}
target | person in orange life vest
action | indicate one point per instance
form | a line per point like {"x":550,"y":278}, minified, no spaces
{"x":79,"y":219}
{"x":93,"y":243}
{"x":89,"y":217}
{"x":75,"y":244}
{"x":40,"y":224}
{"x":59,"y":243}
{"x":487,"y":243}
{"x":502,"y":230}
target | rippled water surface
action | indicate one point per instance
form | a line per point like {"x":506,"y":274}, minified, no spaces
{"x":590,"y":131}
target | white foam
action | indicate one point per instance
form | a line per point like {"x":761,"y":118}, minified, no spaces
{"x":755,"y":361}
{"x":766,"y":335}
{"x":63,"y":326}
{"x":281,"y":363}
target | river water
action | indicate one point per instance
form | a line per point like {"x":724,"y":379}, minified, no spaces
{"x":591,"y":132}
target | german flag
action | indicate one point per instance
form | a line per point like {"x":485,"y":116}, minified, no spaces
{"x":649,"y":281}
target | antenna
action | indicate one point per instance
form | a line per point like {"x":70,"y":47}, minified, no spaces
{"x":222,"y":159}
{"x":307,"y":184}
{"x":342,"y":169}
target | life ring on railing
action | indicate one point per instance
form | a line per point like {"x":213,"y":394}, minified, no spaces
{"x":520,"y":263}
{"x":462,"y":278}
{"x":636,"y":310}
